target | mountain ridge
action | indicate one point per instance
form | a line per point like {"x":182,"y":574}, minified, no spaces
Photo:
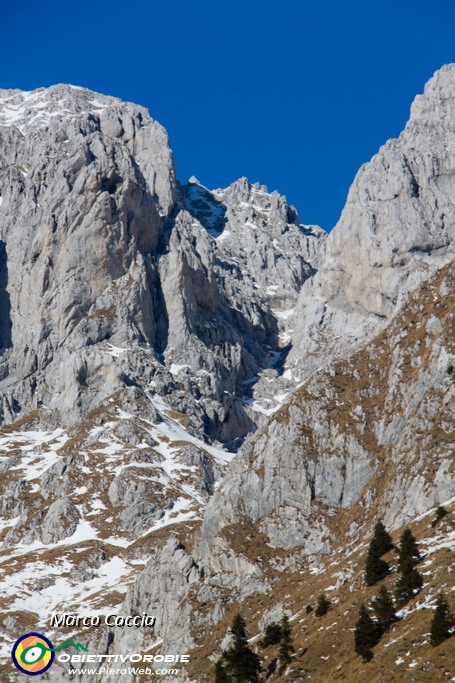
{"x":149,"y":329}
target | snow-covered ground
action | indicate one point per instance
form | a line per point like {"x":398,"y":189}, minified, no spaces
{"x":68,"y":575}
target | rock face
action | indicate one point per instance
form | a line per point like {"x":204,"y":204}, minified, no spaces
{"x":262,"y":257}
{"x":102,"y":253}
{"x":147,"y":329}
{"x":136,"y":316}
{"x":353,"y":436}
{"x":82,"y":187}
{"x":396,"y":230}
{"x":348,"y":443}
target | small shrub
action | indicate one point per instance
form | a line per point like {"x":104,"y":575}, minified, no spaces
{"x":440,"y":513}
{"x":323,"y":606}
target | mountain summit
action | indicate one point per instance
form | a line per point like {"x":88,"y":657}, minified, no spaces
{"x":101,"y":248}
{"x":203,"y":401}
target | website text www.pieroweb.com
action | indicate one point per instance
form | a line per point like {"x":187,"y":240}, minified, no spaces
{"x":34,"y":653}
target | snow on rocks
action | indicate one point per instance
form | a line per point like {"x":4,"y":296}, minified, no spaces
{"x":96,"y":496}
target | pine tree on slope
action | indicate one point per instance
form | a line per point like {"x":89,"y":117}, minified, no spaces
{"x":410,"y":580}
{"x":286,"y":646}
{"x":408,"y":551}
{"x":375,"y":568}
{"x":384,"y":609}
{"x":442,"y":622}
{"x":382,"y":539}
{"x":272,"y":635}
{"x":241,"y":664}
{"x":221,"y":675}
{"x":366,"y":635}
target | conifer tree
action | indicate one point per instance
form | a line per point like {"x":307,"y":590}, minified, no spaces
{"x":410,"y":580}
{"x":286,"y":646}
{"x":366,"y":635}
{"x":272,"y":635}
{"x":407,"y":585}
{"x":384,"y":609}
{"x":323,"y":606}
{"x":408,"y":551}
{"x":382,"y":539}
{"x":442,"y":622}
{"x":241,"y":664}
{"x":375,"y":568}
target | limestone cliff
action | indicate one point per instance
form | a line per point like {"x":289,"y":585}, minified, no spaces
{"x":148,"y":329}
{"x":100,"y":249}
{"x":396,"y":230}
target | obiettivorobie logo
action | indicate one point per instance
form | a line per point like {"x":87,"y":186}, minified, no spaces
{"x":34,"y":654}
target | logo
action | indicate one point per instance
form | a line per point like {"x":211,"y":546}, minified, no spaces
{"x":33,"y":653}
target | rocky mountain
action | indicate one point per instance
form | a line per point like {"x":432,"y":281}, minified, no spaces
{"x":203,"y":400}
{"x":396,"y":230}
{"x":101,"y":246}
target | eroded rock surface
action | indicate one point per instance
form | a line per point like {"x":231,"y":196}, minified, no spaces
{"x":147,"y":329}
{"x":396,"y":230}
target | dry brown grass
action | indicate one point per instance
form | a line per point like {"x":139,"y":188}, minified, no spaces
{"x":103,"y":313}
{"x":325,"y":646}
{"x":27,"y":420}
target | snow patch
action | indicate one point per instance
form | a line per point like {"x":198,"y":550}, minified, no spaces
{"x":116,"y":351}
{"x":284,"y":315}
{"x":175,"y":369}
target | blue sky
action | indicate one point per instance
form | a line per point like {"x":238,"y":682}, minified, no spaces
{"x":295,"y":94}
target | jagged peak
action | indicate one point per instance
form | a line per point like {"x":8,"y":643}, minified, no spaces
{"x":439,"y":89}
{"x":194,"y":181}
{"x":132,"y":309}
